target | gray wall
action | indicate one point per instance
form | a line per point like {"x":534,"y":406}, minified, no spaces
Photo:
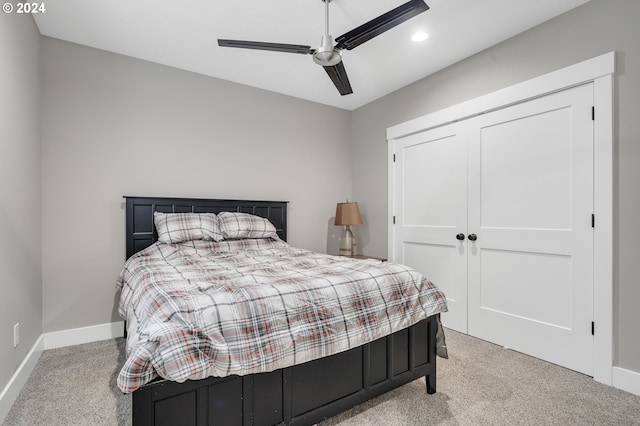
{"x":115,"y":126}
{"x":595,"y":28}
{"x":20,"y":259}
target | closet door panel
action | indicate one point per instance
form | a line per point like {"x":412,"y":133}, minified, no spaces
{"x":430,"y":210}
{"x":526,"y":167}
{"x":530,"y":204}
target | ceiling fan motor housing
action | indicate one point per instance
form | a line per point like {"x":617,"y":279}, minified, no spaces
{"x":326,"y":55}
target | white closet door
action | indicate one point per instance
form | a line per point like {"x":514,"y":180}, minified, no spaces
{"x":430,"y":208}
{"x":530,"y":206}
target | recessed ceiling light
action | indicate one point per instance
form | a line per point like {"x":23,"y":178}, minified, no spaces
{"x":420,"y":36}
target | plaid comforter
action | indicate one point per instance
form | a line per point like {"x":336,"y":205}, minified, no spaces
{"x":205,"y":308}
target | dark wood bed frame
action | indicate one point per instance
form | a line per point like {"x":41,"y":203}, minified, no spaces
{"x":298,"y":395}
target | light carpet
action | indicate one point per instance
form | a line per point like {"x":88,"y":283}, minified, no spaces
{"x":480,"y":384}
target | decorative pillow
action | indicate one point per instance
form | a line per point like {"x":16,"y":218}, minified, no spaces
{"x":244,"y":225}
{"x":178,"y":227}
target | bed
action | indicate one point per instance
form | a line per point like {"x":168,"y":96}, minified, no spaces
{"x":303,"y":393}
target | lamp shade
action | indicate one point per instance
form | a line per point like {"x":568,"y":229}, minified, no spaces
{"x":348,"y":214}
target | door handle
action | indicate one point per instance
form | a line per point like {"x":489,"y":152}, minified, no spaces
{"x":460,"y":237}
{"x":473,"y":237}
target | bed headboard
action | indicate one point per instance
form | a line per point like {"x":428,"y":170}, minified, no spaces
{"x":141,"y":232}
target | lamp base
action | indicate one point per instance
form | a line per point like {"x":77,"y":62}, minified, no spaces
{"x":347,"y":242}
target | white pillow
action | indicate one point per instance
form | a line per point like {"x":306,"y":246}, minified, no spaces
{"x":179,"y":227}
{"x":244,"y":225}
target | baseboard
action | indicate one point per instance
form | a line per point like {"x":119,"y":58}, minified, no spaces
{"x":79,"y":336}
{"x":626,"y":380}
{"x":19,"y":378}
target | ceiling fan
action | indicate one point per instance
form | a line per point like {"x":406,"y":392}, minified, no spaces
{"x":329,"y":55}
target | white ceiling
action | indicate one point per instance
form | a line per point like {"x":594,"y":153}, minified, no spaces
{"x":184,"y":33}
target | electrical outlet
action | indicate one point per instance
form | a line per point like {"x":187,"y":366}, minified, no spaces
{"x":16,"y":334}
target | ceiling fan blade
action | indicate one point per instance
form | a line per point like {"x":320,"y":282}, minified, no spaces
{"x":338,"y":75}
{"x":258,"y":45}
{"x":379,"y":25}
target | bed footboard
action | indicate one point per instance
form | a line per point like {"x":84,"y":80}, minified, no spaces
{"x":299,"y":395}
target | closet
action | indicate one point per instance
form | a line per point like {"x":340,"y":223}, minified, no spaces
{"x":497,"y":210}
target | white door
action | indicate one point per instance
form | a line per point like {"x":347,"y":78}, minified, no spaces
{"x":430,"y":209}
{"x":530,"y":269}
{"x":519,"y":181}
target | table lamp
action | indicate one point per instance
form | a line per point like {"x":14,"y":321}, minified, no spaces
{"x":347,"y":214}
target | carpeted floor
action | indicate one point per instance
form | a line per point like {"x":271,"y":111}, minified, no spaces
{"x":481,"y":384}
